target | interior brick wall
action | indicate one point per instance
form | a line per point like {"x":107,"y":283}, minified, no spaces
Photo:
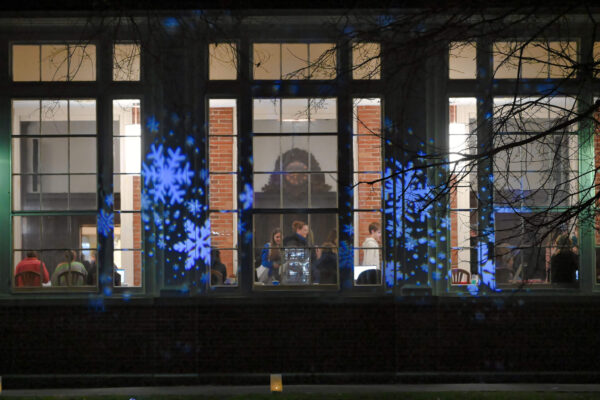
{"x":223,"y":180}
{"x":137,"y":231}
{"x":369,"y":153}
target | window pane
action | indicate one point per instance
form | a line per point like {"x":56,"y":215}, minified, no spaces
{"x":462,"y":141}
{"x":535,"y":59}
{"x":323,"y":61}
{"x":126,"y":62}
{"x":82,"y":63}
{"x":462,"y":60}
{"x":224,"y":256}
{"x":308,"y":252}
{"x":267,"y":116}
{"x":55,"y":60}
{"x":26,"y":193}
{"x":323,"y":115}
{"x":294,"y":61}
{"x":294,"y":115}
{"x":368,"y":248}
{"x":267,"y":61}
{"x":126,"y":118}
{"x":127,"y":155}
{"x":82,"y":153}
{"x":55,"y":117}
{"x":128,"y":265}
{"x":54,"y":155}
{"x":366,"y":61}
{"x":82,"y":117}
{"x":222,"y":61}
{"x":26,"y":63}
{"x":26,"y":117}
{"x":54,"y":190}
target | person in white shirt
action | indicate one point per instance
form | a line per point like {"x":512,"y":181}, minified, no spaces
{"x":371,"y":246}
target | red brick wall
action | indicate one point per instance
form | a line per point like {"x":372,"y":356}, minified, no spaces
{"x":369,"y":155}
{"x":137,"y":231}
{"x":222,"y":162}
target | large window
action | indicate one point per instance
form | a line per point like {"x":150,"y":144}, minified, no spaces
{"x":535,"y":180}
{"x":295,"y":191}
{"x":368,"y":159}
{"x":54,"y":192}
{"x":127,"y":187}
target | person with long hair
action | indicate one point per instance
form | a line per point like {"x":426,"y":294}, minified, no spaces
{"x":271,"y":255}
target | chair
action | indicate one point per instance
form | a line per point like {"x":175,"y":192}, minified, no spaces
{"x":216,"y":278}
{"x":369,"y":277}
{"x":28,"y":279}
{"x":460,"y":276}
{"x":71,"y":278}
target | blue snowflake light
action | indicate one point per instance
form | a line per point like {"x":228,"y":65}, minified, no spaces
{"x":106,"y":222}
{"x":167,"y":178}
{"x":152,"y":124}
{"x":247,"y":197}
{"x":194,"y":207}
{"x":196,"y":245}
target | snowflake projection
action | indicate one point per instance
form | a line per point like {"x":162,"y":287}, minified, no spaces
{"x":349,"y":229}
{"x":247,"y":197}
{"x":152,"y":124}
{"x":196,"y":245}
{"x":106,"y":222}
{"x":167,"y":178}
{"x":408,"y":200}
{"x":390,"y":273}
{"x":194,"y":207}
{"x":345,"y":255}
{"x":109,"y":200}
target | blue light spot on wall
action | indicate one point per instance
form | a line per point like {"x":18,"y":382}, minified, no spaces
{"x":247,"y":197}
{"x":105,"y":222}
{"x":152,"y":124}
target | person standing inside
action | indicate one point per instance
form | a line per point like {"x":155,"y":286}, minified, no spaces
{"x":371,"y":246}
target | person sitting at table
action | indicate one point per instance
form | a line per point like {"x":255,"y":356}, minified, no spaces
{"x":564,"y":263}
{"x":31,"y":263}
{"x":217,"y":266}
{"x":70,"y":264}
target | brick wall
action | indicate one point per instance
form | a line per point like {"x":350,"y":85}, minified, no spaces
{"x":222,"y":166}
{"x":513,"y":335}
{"x":137,"y":231}
{"x":369,"y":154}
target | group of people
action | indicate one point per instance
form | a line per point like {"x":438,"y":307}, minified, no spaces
{"x":562,"y":269}
{"x":322,"y":259}
{"x":81,"y":273}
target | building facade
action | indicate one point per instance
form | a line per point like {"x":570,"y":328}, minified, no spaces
{"x":211,"y":195}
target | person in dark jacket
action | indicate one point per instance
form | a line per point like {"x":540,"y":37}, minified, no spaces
{"x":218,"y":266}
{"x":325,"y":269}
{"x":564,"y":263}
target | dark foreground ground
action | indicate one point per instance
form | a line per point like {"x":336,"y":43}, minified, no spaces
{"x":324,"y":392}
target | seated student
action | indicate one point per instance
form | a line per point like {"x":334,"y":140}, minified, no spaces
{"x":31,"y":263}
{"x":70,"y":264}
{"x":564,"y":263}
{"x":325,"y":269}
{"x":218,"y":266}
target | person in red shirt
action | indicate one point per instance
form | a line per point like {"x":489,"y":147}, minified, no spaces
{"x":31,"y":264}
